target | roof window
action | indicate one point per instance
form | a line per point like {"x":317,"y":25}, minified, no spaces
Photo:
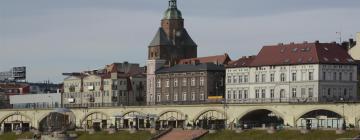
{"x":326,"y":59}
{"x":287,"y":60}
{"x":326,"y":49}
{"x":350,"y":60}
{"x":294,"y":49}
{"x":310,"y":59}
{"x":337,"y":60}
{"x":300,"y":60}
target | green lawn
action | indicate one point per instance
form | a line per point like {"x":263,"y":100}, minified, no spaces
{"x":122,"y":135}
{"x":12,"y":136}
{"x":280,"y":135}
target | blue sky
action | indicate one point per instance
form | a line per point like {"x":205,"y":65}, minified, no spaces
{"x":51,"y":37}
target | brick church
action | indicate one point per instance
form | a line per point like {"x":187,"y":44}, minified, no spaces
{"x":172,"y":42}
{"x":175,"y":75}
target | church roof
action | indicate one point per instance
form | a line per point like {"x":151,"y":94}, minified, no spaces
{"x":160,"y":39}
{"x":185,"y":39}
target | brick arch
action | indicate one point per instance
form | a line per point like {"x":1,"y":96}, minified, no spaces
{"x":133,"y":111}
{"x":89,"y":114}
{"x":172,"y":110}
{"x":260,"y":108}
{"x":314,"y":109}
{"x":17,"y":113}
{"x":208,"y":110}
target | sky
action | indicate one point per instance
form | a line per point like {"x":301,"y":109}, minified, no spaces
{"x":51,"y":37}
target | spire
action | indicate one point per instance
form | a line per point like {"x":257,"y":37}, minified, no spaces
{"x":172,"y":4}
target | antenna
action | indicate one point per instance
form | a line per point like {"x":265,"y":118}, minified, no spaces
{"x":340,"y":36}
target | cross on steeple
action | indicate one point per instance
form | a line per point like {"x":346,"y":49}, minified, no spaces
{"x":172,"y":4}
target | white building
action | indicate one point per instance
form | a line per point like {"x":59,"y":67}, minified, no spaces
{"x":355,"y":51}
{"x":45,"y":100}
{"x":307,"y":72}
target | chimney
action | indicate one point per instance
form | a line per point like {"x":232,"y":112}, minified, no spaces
{"x":292,"y":43}
{"x":305,"y":42}
{"x":317,"y":41}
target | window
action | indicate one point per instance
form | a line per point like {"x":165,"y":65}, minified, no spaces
{"x":340,"y":76}
{"x":192,"y":81}
{"x":303,"y":92}
{"x":202,"y":81}
{"x":257,"y":78}
{"x":229,"y":79}
{"x":158,"y":83}
{"x":324,"y":75}
{"x":272,"y":93}
{"x":257,"y":93}
{"x":240,"y":79}
{"x":311,"y":76}
{"x":202,"y":96}
{"x":167,"y":83}
{"x":351,"y":76}
{"x":229,"y":94}
{"x":311,"y":92}
{"x":167,"y":97}
{"x":234,"y":79}
{"x":293,"y":76}
{"x":282,"y":77}
{"x":293,"y":92}
{"x":175,"y":82}
{"x":151,"y":98}
{"x":234,"y":94}
{"x":263,"y":78}
{"x":263,"y":93}
{"x":245,"y":94}
{"x":334,"y":76}
{"x":193,"y":96}
{"x":184,"y":82}
{"x":246,"y":79}
{"x":272,"y":78}
{"x":158,"y":98}
{"x":282,"y":93}
{"x":184,"y":96}
{"x":175,"y":97}
{"x":240,"y":94}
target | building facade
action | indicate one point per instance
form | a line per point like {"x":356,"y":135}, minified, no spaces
{"x":116,"y":85}
{"x":189,"y":84}
{"x":355,"y":51}
{"x":48,"y":100}
{"x":298,"y":73}
{"x":15,"y":74}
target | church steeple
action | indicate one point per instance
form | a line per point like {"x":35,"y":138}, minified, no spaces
{"x":172,"y":4}
{"x":172,"y":42}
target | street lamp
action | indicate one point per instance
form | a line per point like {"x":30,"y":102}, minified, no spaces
{"x":343,"y":113}
{"x":52,"y":100}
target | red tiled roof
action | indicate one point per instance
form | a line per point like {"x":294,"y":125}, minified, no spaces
{"x":219,"y":59}
{"x":242,"y":62}
{"x":305,"y":53}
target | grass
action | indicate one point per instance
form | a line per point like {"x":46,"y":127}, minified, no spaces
{"x":122,"y":135}
{"x":280,"y":135}
{"x":12,"y":136}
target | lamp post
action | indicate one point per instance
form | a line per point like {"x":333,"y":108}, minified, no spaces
{"x":225,"y":116}
{"x":52,"y":100}
{"x":343,"y":113}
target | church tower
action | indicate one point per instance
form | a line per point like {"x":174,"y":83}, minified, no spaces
{"x":172,"y":42}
